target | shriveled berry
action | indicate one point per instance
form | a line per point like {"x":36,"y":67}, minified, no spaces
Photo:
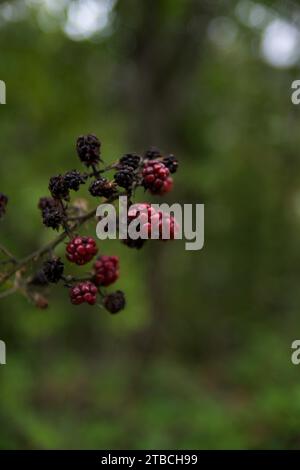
{"x":171,"y":162}
{"x":47,"y":202}
{"x":83,"y":292}
{"x":152,"y":154}
{"x":115,"y":302}
{"x":106,"y":270}
{"x":53,"y":269}
{"x":125,"y":177}
{"x":129,"y":159}
{"x":74,"y":179}
{"x":52,"y":217}
{"x":58,"y":187}
{"x":81,"y":250}
{"x":88,"y":149}
{"x":3,"y":204}
{"x":101,"y":187}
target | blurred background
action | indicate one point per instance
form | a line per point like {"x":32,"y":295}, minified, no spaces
{"x":201,"y":356}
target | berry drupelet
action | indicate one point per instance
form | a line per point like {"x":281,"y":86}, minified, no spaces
{"x":74,"y":179}
{"x":125,"y":177}
{"x":53,"y":270}
{"x":115,"y":302}
{"x":81,"y":250}
{"x":83,"y":292}
{"x":88,"y":149}
{"x":3,"y":204}
{"x":58,"y":187}
{"x":156,"y":177}
{"x":106,"y":270}
{"x":101,"y":187}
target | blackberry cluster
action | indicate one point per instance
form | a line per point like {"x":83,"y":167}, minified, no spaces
{"x":81,"y":250}
{"x":84,"y":292}
{"x":115,"y":302}
{"x":151,"y":171}
{"x":53,"y":270}
{"x":106,"y":270}
{"x":3,"y":204}
{"x":88,"y":149}
{"x":101,"y":187}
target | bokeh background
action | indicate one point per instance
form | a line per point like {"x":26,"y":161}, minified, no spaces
{"x":201,"y":356}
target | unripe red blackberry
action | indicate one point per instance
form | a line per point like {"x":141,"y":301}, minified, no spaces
{"x":125,"y":177}
{"x":154,"y":221}
{"x":88,"y":149}
{"x":101,"y":187}
{"x":115,"y":302}
{"x":3,"y":204}
{"x":106,"y":270}
{"x":53,"y":270}
{"x":155,"y":173}
{"x":167,"y":186}
{"x":129,"y":159}
{"x":152,"y":153}
{"x":81,"y":250}
{"x":58,"y":187}
{"x":83,"y":292}
{"x":171,"y":162}
{"x":74,"y":179}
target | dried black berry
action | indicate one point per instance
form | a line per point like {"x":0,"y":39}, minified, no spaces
{"x":130,"y":159}
{"x":53,"y":270}
{"x":88,"y":149}
{"x":125,"y":177}
{"x":115,"y":302}
{"x":52,"y":217}
{"x":103,"y":188}
{"x":153,"y":153}
{"x":171,"y":163}
{"x":3,"y":204}
{"x":74,"y":179}
{"x":47,"y":202}
{"x":58,"y":187}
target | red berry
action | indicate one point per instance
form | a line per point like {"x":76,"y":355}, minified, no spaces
{"x":158,"y":221}
{"x":81,"y":250}
{"x":106,"y":270}
{"x":156,"y":177}
{"x":83,"y":292}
